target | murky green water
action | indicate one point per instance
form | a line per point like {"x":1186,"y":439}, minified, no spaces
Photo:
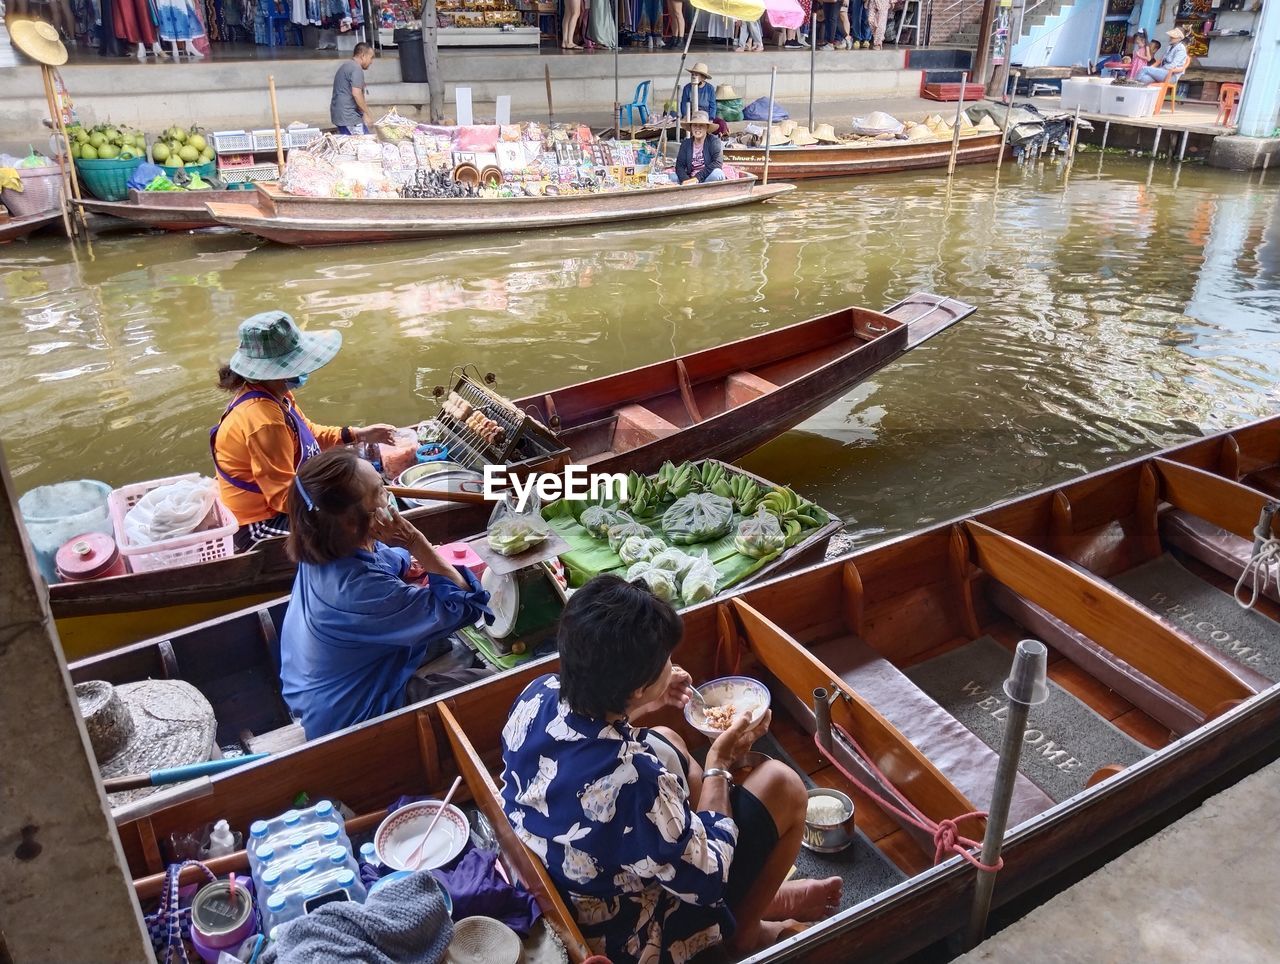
{"x":1132,"y":307}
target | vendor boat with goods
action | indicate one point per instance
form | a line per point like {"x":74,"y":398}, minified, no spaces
{"x":877,"y":144}
{"x":413,"y":181}
{"x":721,"y":402}
{"x":884,"y":670}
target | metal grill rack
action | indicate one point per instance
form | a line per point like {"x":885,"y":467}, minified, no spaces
{"x":522,"y":437}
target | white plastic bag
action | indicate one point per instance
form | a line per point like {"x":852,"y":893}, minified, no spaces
{"x":169,"y":511}
{"x":700,"y":581}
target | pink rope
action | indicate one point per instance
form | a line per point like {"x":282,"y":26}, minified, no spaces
{"x":946,"y":834}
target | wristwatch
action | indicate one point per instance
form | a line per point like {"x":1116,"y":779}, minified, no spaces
{"x":717,"y":772}
{"x":348,"y":436}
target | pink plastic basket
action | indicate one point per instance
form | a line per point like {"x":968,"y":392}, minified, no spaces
{"x":212,"y":542}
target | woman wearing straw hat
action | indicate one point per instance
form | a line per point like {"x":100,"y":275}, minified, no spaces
{"x":701,"y":155}
{"x":263,"y":437}
{"x":698,"y":94}
{"x":1174,"y":60}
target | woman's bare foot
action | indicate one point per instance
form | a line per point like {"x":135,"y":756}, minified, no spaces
{"x":766,"y":934}
{"x":806,"y":900}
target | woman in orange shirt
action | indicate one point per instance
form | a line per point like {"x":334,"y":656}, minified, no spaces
{"x":263,"y":436}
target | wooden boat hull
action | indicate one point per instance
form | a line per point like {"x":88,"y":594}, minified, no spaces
{"x":307,"y":221}
{"x":16,"y":228}
{"x":165,"y":210}
{"x":836,"y":160}
{"x":919,"y":594}
{"x":814,"y":363}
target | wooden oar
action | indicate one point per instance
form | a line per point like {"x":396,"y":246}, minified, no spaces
{"x":156,"y":778}
{"x":445,"y":495}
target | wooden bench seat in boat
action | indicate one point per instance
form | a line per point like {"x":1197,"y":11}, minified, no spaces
{"x":965,"y":760}
{"x":638,"y":426}
{"x":1220,"y":550}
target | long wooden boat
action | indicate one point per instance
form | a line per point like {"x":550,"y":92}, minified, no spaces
{"x":869,"y":628}
{"x":16,"y":228}
{"x":166,"y":210}
{"x":307,"y":221}
{"x":720,"y":402}
{"x":868,"y":157}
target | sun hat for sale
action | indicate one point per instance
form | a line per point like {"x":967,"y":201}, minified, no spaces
{"x":777,"y":136}
{"x":1176,"y":34}
{"x":801,"y":137}
{"x":140,"y":727}
{"x":826,"y":134}
{"x":39,"y":41}
{"x":700,"y":117}
{"x":272,"y":347}
{"x":700,"y":68}
{"x":483,"y":940}
{"x":726,"y":92}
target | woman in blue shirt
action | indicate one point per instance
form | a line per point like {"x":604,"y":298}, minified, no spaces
{"x":659,"y":858}
{"x":361,"y":619}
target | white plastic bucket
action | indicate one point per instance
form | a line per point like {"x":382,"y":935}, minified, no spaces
{"x":55,"y":513}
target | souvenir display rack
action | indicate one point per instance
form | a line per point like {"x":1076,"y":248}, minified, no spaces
{"x":251,"y":155}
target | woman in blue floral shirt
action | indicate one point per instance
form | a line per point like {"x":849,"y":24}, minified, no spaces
{"x":659,"y":858}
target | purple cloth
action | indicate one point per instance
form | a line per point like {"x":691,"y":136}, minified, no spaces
{"x":478,"y":890}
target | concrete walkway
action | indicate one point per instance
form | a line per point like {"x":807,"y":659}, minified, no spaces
{"x":1201,"y":890}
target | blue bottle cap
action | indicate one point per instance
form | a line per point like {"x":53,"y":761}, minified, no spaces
{"x":271,"y":876}
{"x":330,"y":831}
{"x":298,"y":842}
{"x":276,"y":902}
{"x":258,"y":828}
{"x":266,"y":852}
{"x":346,"y":878}
{"x":337,"y":855}
{"x":306,"y":867}
{"x":292,"y":818}
{"x":324,"y":808}
{"x":368,"y":851}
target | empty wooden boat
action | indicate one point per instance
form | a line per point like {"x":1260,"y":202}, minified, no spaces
{"x":306,"y":221}
{"x":911,"y":640}
{"x":863,"y":157}
{"x":16,"y":228}
{"x":721,"y":402}
{"x":166,"y":210}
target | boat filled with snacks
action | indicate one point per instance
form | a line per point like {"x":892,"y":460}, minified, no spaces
{"x":415,"y":181}
{"x":884,"y":670}
{"x":877,"y":144}
{"x":721,"y":402}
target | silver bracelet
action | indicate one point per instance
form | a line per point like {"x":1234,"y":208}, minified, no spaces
{"x":717,"y":772}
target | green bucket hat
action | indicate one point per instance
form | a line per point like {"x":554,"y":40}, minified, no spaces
{"x":272,"y":347}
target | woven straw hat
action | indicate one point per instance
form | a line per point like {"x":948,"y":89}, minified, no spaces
{"x":701,"y":68}
{"x":483,"y":940}
{"x":726,"y":92}
{"x":1175,"y":35}
{"x":39,"y":41}
{"x":700,"y":117}
{"x":777,"y":136}
{"x":140,"y":727}
{"x":802,"y":138}
{"x":826,"y":134}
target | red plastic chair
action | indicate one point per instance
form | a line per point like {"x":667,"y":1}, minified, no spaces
{"x":1169,"y":86}
{"x":1228,"y":97}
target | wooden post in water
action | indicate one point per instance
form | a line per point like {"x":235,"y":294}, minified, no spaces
{"x":1075,"y":132}
{"x":551,"y":113}
{"x":55,"y":115}
{"x":275,"y":120}
{"x":1004,"y":143}
{"x":67,"y":894}
{"x":813,"y":59}
{"x":431,"y":51}
{"x":768,"y":129}
{"x":955,"y":130}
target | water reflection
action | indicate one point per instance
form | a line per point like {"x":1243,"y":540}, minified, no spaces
{"x":1122,"y":308}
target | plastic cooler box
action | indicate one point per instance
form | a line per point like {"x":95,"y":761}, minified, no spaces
{"x":1085,"y":93}
{"x":1129,"y":101}
{"x":201,"y":546}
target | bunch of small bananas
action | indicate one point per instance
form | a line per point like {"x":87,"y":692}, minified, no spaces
{"x":707,"y":474}
{"x":673,"y":483}
{"x":740,"y":490}
{"x":793,"y":512}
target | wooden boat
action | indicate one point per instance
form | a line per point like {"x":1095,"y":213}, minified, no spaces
{"x":866,"y":627}
{"x":166,"y":210}
{"x":721,"y":402}
{"x":16,"y":228}
{"x":314,"y":221}
{"x":868,"y":157}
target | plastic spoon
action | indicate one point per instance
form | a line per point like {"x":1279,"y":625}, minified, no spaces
{"x":415,"y":858}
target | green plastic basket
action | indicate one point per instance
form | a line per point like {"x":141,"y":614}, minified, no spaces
{"x":108,"y":180}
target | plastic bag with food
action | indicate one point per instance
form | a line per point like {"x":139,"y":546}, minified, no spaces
{"x":512,"y":531}
{"x":598,"y":519}
{"x":168,"y":511}
{"x":700,"y":517}
{"x":673,"y":560}
{"x":700,"y":581}
{"x":760,"y":536}
{"x":660,"y":582}
{"x":638,"y":549}
{"x":620,"y":533}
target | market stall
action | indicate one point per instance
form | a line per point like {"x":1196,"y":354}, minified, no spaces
{"x":462,"y":23}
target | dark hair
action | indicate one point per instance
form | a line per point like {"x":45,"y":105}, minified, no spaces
{"x":1156,"y":43}
{"x":230,"y":381}
{"x":317,"y":532}
{"x":362,"y":48}
{"x":614,"y":639}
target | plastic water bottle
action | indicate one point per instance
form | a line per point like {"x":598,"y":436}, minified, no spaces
{"x":369,"y":855}
{"x":221,"y":841}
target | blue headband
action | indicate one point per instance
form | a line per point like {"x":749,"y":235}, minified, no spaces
{"x":297,"y":484}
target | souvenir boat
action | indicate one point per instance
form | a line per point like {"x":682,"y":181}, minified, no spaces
{"x":290,"y":219}
{"x":166,"y":210}
{"x":864,"y":157}
{"x":721,"y":402}
{"x":1150,"y":699}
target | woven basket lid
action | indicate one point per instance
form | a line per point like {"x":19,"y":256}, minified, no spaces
{"x":483,"y":940}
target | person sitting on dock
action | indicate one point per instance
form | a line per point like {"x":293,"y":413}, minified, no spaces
{"x":701,"y":155}
{"x":658,"y":858}
{"x":263,"y":437}
{"x":361,"y":621}
{"x":1174,"y":59}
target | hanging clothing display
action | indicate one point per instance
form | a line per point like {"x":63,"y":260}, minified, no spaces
{"x":132,"y":22}
{"x":602,"y":28}
{"x":178,"y":20}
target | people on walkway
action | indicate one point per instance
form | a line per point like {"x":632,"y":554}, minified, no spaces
{"x":701,"y":154}
{"x":658,"y":858}
{"x":348,"y":107}
{"x":675,"y":18}
{"x":373,"y":601}
{"x":1174,"y":60}
{"x":649,"y":22}
{"x":263,"y":438}
{"x":569,"y":24}
{"x":878,"y":21}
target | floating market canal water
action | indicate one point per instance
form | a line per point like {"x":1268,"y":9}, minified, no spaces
{"x":1122,"y":308}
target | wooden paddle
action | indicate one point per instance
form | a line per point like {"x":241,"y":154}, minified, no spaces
{"x":471,"y":498}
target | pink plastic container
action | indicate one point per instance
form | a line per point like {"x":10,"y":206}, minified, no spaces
{"x":92,"y":555}
{"x":461,"y":554}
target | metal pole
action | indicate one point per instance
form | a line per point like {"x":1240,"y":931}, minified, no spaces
{"x":617,"y":97}
{"x":955,"y":130}
{"x":675,"y":90}
{"x":1004,"y":143}
{"x":1106,"y":132}
{"x":1155,"y":147}
{"x":768,"y":130}
{"x":813,"y":60}
{"x":1182,"y":151}
{"x":1025,"y":688}
{"x":822,"y":718}
{"x":1071,"y":147}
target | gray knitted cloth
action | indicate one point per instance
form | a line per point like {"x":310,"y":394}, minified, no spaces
{"x":405,"y":922}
